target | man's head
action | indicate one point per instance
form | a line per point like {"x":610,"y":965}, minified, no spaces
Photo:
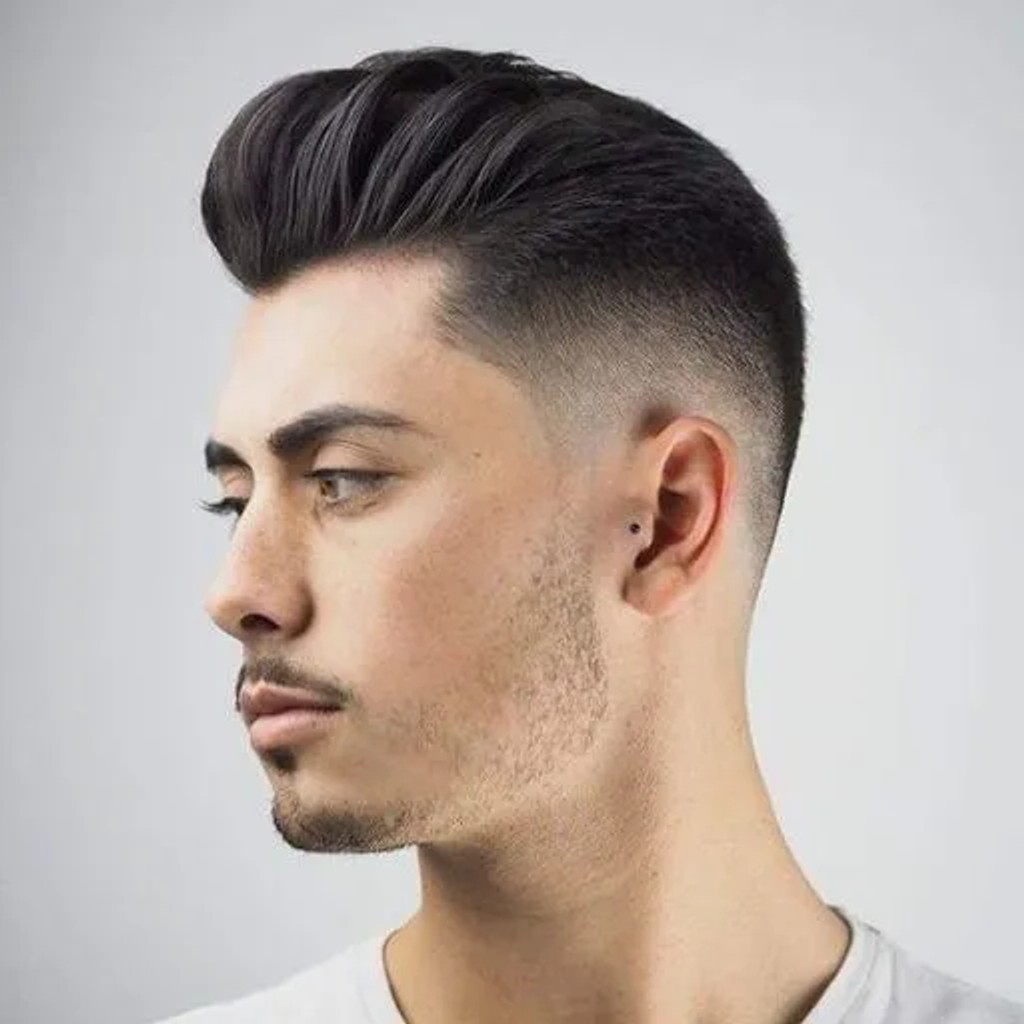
{"x":576,"y":313}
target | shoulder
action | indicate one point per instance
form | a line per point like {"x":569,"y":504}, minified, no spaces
{"x":922,"y":993}
{"x":881,"y":982}
{"x":328,"y":991}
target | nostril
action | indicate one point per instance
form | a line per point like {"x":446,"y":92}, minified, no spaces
{"x":254,"y":622}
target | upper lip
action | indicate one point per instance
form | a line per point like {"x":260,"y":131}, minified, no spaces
{"x":265,"y":699}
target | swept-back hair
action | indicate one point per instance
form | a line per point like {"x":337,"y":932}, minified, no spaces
{"x":621,"y":266}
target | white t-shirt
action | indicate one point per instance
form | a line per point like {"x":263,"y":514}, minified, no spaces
{"x":878,"y":982}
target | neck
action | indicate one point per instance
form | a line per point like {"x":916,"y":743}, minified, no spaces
{"x":628,"y":894}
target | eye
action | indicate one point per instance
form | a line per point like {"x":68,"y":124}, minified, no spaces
{"x":365,"y":480}
{"x":224,"y":507}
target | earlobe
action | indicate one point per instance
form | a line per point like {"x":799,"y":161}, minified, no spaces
{"x":656,"y":589}
{"x":673,"y":548}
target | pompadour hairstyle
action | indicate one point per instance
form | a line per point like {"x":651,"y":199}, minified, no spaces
{"x":617,"y":263}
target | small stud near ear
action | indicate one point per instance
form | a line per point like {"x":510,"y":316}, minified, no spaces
{"x":634,"y":527}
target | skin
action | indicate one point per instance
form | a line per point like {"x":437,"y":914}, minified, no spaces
{"x":550,"y":707}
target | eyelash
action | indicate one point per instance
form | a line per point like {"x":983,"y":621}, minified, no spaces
{"x":236,"y":506}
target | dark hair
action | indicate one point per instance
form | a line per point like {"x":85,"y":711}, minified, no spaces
{"x":614,"y":260}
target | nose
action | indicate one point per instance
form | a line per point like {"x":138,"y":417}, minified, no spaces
{"x":259,"y":588}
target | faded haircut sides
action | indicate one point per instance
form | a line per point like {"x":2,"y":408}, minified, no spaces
{"x":616,"y":263}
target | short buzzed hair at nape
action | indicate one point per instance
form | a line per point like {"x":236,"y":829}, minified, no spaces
{"x":617,"y":263}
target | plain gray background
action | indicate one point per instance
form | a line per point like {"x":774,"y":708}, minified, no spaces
{"x":139,"y":871}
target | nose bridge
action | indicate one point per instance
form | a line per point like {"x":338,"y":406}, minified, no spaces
{"x":263,"y":570}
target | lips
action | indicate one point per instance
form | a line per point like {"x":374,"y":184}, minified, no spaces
{"x":264,"y":699}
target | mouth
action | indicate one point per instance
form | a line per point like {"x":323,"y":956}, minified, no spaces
{"x":276,"y":714}
{"x":265,"y":699}
{"x":293,"y":725}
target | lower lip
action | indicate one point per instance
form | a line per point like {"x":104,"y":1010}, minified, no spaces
{"x":289,"y":726}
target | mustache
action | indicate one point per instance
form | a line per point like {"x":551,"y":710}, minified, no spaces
{"x":275,"y":670}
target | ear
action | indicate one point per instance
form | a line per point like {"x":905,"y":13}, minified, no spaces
{"x":688,"y":472}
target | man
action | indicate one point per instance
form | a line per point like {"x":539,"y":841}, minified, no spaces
{"x":507,"y":434}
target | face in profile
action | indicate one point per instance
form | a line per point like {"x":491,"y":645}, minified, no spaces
{"x":446,"y":601}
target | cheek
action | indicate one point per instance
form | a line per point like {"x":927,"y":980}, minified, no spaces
{"x":428,"y":610}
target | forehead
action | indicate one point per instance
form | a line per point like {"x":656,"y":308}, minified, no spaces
{"x":359,"y":333}
{"x":359,"y":326}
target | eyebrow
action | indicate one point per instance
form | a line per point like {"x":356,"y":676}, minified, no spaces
{"x":315,"y":425}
